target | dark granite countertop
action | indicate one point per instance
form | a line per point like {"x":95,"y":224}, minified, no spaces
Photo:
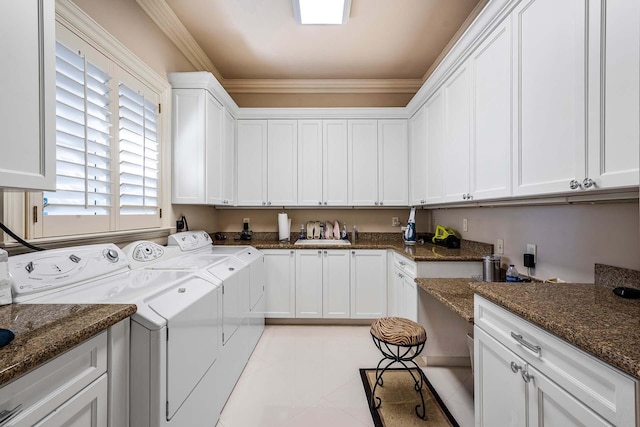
{"x":456,"y":294}
{"x":588,"y":316}
{"x":470,"y":251}
{"x":44,"y":331}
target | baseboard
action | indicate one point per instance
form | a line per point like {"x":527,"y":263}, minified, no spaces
{"x":337,"y":322}
{"x":446,"y":361}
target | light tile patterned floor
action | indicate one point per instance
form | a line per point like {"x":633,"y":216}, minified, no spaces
{"x":307,"y":376}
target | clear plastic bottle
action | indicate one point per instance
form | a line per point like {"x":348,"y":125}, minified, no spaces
{"x":303,"y":232}
{"x":354,"y":236}
{"x":512,"y":274}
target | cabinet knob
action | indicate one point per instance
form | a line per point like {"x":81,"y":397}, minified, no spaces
{"x":353,"y":252}
{"x":588,"y":183}
{"x":269,"y":203}
{"x":320,"y":203}
{"x":515,"y":367}
{"x":526,"y":376}
{"x":376,"y":203}
{"x":380,"y":203}
{"x":574,"y":184}
{"x":291,"y":252}
{"x":325,"y":252}
{"x":325,"y":203}
{"x":464,"y":196}
{"x":469,"y":196}
{"x":319,"y":252}
{"x":264,"y":203}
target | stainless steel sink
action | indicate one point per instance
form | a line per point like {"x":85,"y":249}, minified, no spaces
{"x":318,"y":242}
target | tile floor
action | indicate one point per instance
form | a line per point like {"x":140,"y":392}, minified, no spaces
{"x":308,"y":376}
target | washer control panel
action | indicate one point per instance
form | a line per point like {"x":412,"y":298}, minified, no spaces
{"x":189,"y":240}
{"x":146,"y":252}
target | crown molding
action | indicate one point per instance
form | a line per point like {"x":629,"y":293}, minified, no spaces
{"x":164,"y":17}
{"x":322,"y":85}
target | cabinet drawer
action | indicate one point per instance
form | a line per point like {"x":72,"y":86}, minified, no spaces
{"x":406,"y":265}
{"x":43,"y":390}
{"x":607,"y":391}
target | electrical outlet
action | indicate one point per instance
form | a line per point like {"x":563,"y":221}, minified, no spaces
{"x":395,"y":222}
{"x":532,"y":249}
{"x":245,"y":220}
{"x":500,"y":246}
{"x":465,"y":224}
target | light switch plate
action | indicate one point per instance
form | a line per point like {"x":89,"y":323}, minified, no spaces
{"x":465,"y":224}
{"x":500,"y":246}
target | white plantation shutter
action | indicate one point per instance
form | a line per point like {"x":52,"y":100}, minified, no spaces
{"x":138,"y":148}
{"x":83,"y":140}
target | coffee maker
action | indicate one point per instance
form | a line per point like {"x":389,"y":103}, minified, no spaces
{"x":246,"y":233}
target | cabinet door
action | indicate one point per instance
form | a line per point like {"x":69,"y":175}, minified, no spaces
{"x":336,"y":284}
{"x":310,"y":162}
{"x":435,"y":147}
{"x":368,"y":284}
{"x":88,"y":408}
{"x":282,"y":163}
{"x":457,"y":98}
{"x":363,"y":163}
{"x":309,"y":283}
{"x":393,"y":157}
{"x":551,"y":405}
{"x":252,"y":162}
{"x":550,"y":78}
{"x":614,"y":128}
{"x":409,"y":298}
{"x":215,"y":150}
{"x":280,"y":291}
{"x":28,"y":102}
{"x":335,"y":163}
{"x":418,"y":157}
{"x":189,"y":146}
{"x":395,"y":303}
{"x":229,"y":162}
{"x":499,"y":392}
{"x":491,"y":122}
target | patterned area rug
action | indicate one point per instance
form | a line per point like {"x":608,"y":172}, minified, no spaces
{"x":399,"y":400}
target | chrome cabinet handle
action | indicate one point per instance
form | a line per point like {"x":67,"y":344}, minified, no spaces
{"x":402,"y":263}
{"x":515,"y":367}
{"x":7,"y":414}
{"x":524,"y":343}
{"x":526,"y":376}
{"x":573,"y":184}
{"x":588,"y":183}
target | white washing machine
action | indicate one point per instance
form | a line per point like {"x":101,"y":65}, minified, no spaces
{"x":172,"y":363}
{"x":240,"y":269}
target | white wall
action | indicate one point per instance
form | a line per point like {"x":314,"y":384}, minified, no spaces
{"x":570,"y":238}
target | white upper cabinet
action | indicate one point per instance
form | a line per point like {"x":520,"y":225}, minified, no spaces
{"x":491,"y":116}
{"x":363,"y":162}
{"x":229,"y":156}
{"x":393,"y":174}
{"x":214,"y":166}
{"x":550,"y":78}
{"x":198,"y":149}
{"x":418,"y":157}
{"x":282,"y":163}
{"x":614,"y":127}
{"x":252,"y":162}
{"x":28,"y":103}
{"x":378,"y":160}
{"x":335,"y":163}
{"x":310,"y":163}
{"x":434,"y":109}
{"x":457,"y":97}
{"x":189,"y":146}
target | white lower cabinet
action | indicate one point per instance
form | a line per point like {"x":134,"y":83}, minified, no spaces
{"x":526,"y":376}
{"x":322,"y":283}
{"x":403,"y":292}
{"x":71,"y":389}
{"x":280,"y":276}
{"x":368,"y":284}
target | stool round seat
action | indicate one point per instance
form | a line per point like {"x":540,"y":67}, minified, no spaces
{"x":398,"y":331}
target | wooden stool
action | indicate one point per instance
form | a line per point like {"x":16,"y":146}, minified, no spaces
{"x":400,"y":341}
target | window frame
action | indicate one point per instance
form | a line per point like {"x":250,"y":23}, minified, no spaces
{"x":127,"y":67}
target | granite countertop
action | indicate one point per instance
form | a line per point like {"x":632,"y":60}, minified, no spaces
{"x":588,"y":316}
{"x":44,"y":331}
{"x":470,"y":251}
{"x":456,"y":294}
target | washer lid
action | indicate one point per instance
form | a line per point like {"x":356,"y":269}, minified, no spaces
{"x":191,"y":310}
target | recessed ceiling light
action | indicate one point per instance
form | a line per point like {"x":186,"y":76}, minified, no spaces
{"x":314,"y":12}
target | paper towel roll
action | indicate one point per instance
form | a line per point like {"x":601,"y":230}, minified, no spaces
{"x":284,"y":224}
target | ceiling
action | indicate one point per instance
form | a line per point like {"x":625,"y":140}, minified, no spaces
{"x":264,"y":58}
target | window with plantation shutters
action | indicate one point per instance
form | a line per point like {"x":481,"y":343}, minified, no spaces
{"x":138,"y":152}
{"x":83,"y":138}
